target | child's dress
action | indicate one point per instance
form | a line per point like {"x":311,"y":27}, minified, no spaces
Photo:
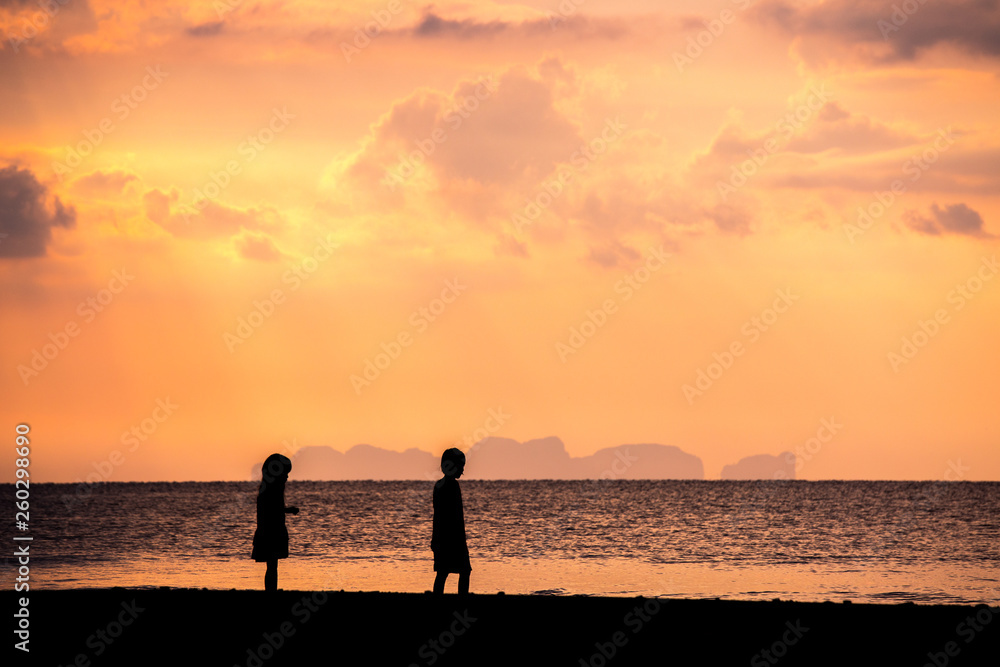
{"x":270,"y":541}
{"x":451,"y":553}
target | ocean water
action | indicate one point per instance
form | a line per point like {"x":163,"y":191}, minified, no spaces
{"x":926,"y":542}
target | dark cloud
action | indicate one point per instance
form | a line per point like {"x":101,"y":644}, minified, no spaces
{"x":206,"y":29}
{"x":882,"y":31}
{"x":436,"y":27}
{"x":953,"y":219}
{"x":26,"y":220}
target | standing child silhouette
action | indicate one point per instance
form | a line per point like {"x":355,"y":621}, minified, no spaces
{"x":451,"y":553}
{"x":270,"y":541}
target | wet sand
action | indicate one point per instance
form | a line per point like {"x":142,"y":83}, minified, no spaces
{"x":257,"y":629}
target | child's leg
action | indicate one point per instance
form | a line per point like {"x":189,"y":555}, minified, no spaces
{"x":439,"y":582}
{"x":463,"y":583}
{"x":271,"y":576}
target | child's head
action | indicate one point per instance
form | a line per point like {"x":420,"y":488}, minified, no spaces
{"x":453,"y":462}
{"x":275,"y":470}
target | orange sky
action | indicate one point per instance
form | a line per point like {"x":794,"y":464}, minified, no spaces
{"x":570,"y":216}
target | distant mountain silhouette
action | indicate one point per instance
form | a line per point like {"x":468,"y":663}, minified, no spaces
{"x":762,"y":466}
{"x":500,"y":458}
{"x":642,"y":461}
{"x":547,"y":458}
{"x":364,"y":462}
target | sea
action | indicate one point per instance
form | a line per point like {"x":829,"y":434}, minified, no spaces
{"x":871,"y":542}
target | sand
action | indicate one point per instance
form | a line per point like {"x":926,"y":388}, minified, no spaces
{"x":256,"y":629}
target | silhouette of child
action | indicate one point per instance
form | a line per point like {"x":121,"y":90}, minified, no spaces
{"x":451,"y":553}
{"x":270,"y":541}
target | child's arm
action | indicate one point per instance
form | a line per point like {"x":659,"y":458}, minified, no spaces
{"x":291,"y":510}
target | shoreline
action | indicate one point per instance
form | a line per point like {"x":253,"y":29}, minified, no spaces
{"x":253,"y":628}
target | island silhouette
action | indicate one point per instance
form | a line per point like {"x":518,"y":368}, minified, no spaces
{"x":495,"y":458}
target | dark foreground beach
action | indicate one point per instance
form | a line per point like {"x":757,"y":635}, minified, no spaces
{"x":256,"y":629}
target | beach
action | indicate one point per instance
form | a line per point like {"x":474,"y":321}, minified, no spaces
{"x":246,"y":628}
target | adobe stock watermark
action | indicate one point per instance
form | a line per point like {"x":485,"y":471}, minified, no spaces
{"x":104,"y":637}
{"x":761,"y":491}
{"x":804,"y":453}
{"x":88,"y":309}
{"x":927,"y":501}
{"x":780,"y":647}
{"x":914,"y":167}
{"x":121,"y":108}
{"x":566,"y":9}
{"x":248,"y":150}
{"x":420,"y":320}
{"x":901,"y":13}
{"x":929,"y":328}
{"x":32,"y":24}
{"x":223,"y":7}
{"x":272,"y":642}
{"x":454,"y":117}
{"x":580,"y":161}
{"x":967,"y":629}
{"x":133,"y":439}
{"x":740,"y":175}
{"x":635,"y":620}
{"x":626,"y":288}
{"x":364,"y":34}
{"x":495,"y":419}
{"x":752,"y":329}
{"x":714,"y":28}
{"x":263,"y":309}
{"x":239,"y":506}
{"x":468,"y":443}
{"x":432,"y":650}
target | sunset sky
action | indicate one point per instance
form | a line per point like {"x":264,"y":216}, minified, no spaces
{"x":232,"y":225}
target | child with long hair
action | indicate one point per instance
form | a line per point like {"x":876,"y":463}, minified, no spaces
{"x":270,"y":541}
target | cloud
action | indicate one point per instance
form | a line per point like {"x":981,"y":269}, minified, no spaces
{"x":877,"y":31}
{"x":257,"y":246}
{"x":157,"y":205}
{"x":468,"y":135}
{"x":104,"y":182}
{"x":839,"y":149}
{"x":828,"y":128}
{"x":835,"y":128}
{"x":508,"y":245}
{"x":209,"y":220}
{"x":433,"y":25}
{"x":730,"y":220}
{"x":953,"y":219}
{"x":26,"y":221}
{"x":436,"y":27}
{"x":618,"y":206}
{"x":206,"y":29}
{"x":45,"y":25}
{"x":612,"y":254}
